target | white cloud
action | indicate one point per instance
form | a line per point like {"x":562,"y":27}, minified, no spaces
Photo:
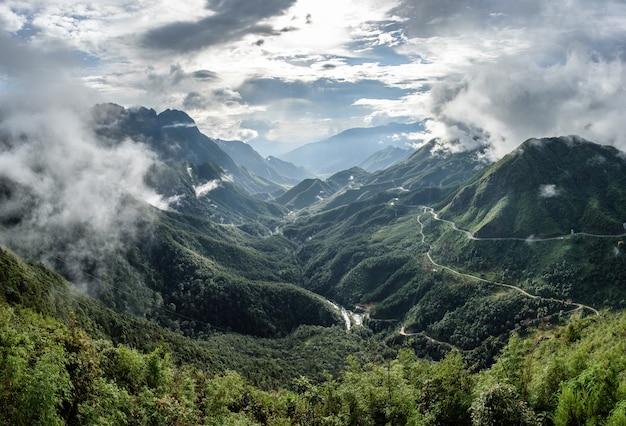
{"x":9,"y":20}
{"x":548,"y":191}
{"x":514,"y":98}
{"x":67,"y":194}
{"x":202,"y":190}
{"x":504,"y":70}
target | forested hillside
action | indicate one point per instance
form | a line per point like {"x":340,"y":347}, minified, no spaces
{"x":364,"y":298}
{"x":546,"y":187}
{"x":57,"y":373}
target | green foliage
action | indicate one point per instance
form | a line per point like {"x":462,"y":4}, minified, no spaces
{"x":34,"y":381}
{"x":51,"y":373}
{"x":587,"y":398}
{"x":445,"y":391}
{"x":499,"y":405}
{"x":578,"y":200}
{"x":269,"y":363}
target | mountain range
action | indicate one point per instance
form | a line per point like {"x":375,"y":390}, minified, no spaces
{"x":440,"y":250}
{"x":353,"y":147}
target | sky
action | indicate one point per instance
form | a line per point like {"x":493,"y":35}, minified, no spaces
{"x":282,"y":73}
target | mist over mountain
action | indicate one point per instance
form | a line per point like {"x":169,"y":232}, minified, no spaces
{"x":174,"y":136}
{"x":66,"y":192}
{"x":351,"y":147}
{"x":384,"y":158}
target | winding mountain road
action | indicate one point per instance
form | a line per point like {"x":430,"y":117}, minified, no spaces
{"x":576,"y":306}
{"x":528,"y":239}
{"x":509,"y":286}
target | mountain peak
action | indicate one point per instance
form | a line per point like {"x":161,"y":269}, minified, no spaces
{"x":546,"y":187}
{"x":175,"y":118}
{"x":558,"y":144}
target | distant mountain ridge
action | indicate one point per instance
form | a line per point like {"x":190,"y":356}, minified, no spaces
{"x":546,"y":187}
{"x":431,"y":166}
{"x":312,"y":191}
{"x":384,"y":158}
{"x":271,"y":168}
{"x":351,"y":147}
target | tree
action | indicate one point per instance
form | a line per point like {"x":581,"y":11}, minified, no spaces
{"x":589,"y":397}
{"x":500,"y":404}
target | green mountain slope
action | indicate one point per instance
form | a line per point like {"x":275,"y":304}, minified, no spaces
{"x":305,"y":194}
{"x":384,"y":158}
{"x":447,"y":286}
{"x":430,"y":173}
{"x":432,"y":165}
{"x":57,"y":373}
{"x":204,"y":190}
{"x":546,"y":187}
{"x":32,"y":287}
{"x":314,"y":192}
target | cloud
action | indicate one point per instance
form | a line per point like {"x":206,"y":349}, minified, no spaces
{"x":322,"y":107}
{"x":231,"y":20}
{"x":556,"y":71}
{"x":515,"y":98}
{"x":478,"y":69}
{"x":435,"y":18}
{"x":66,"y":194}
{"x":548,"y":191}
{"x":324,"y":92}
{"x":9,"y":20}
{"x":207,"y":187}
{"x":204,"y":75}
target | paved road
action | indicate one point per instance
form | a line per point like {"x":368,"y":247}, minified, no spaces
{"x":530,"y":238}
{"x":500,"y":284}
{"x":575,"y":306}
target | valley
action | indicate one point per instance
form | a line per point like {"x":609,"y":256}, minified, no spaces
{"x":289,"y":283}
{"x":313,"y":213}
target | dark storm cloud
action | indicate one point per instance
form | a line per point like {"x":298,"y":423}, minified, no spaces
{"x":195,"y":100}
{"x":232,"y":20}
